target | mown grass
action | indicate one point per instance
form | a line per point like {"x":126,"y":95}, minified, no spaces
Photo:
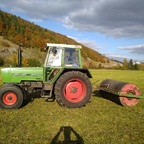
{"x":101,"y":121}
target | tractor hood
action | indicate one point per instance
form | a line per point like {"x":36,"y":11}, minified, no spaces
{"x":16,"y":75}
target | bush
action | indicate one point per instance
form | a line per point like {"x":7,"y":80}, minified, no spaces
{"x":5,"y":44}
{"x":13,"y":60}
{"x":33,"y":62}
{"x":1,"y":61}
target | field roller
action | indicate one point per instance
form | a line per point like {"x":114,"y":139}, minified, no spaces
{"x":129,"y":94}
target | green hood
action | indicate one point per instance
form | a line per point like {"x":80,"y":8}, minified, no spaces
{"x":17,"y":75}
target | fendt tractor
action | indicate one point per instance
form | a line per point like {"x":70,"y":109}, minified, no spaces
{"x":62,"y":78}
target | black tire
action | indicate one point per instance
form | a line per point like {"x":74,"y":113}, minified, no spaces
{"x":11,"y":97}
{"x":73,"y":89}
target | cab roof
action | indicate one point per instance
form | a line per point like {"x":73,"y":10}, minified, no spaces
{"x":63,"y":45}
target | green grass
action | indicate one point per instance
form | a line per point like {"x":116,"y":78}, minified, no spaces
{"x":101,"y":121}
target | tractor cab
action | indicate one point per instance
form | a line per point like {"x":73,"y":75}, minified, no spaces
{"x":63,"y":55}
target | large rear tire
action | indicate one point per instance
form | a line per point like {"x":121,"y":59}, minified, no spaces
{"x":11,"y":97}
{"x":73,"y":89}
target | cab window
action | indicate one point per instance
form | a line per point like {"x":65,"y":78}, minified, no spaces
{"x":54,"y":58}
{"x":71,"y":57}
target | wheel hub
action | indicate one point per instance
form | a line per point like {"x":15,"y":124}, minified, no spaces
{"x":74,"y":89}
{"x":10,"y":97}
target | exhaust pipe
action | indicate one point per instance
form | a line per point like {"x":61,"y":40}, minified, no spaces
{"x":20,"y":55}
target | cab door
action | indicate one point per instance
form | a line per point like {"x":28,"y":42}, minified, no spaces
{"x":53,"y":63}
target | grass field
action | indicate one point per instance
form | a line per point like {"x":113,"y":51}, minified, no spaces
{"x":100,"y":122}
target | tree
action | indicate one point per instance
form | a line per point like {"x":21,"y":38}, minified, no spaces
{"x":125,"y":63}
{"x":1,"y":26}
{"x":100,"y":66}
{"x":12,"y":33}
{"x":1,"y":61}
{"x":33,"y":62}
{"x":136,"y":67}
{"x":130,"y":65}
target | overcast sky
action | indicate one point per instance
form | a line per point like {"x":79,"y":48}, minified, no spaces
{"x":112,"y":27}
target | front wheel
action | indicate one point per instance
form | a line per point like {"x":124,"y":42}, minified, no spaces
{"x":73,"y":89}
{"x":11,"y":97}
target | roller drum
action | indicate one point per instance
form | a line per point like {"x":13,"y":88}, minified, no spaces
{"x":121,"y":88}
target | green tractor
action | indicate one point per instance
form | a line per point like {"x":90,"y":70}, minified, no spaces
{"x":61,"y":77}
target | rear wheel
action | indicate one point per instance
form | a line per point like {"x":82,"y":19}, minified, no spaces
{"x":11,"y":97}
{"x":73,"y":89}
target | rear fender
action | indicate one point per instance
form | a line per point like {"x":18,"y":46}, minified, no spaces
{"x":83,"y":70}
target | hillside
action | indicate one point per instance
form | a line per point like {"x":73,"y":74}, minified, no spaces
{"x":15,"y":30}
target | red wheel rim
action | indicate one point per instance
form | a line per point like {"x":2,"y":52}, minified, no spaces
{"x":129,"y":89}
{"x":9,"y":98}
{"x":75,"y":90}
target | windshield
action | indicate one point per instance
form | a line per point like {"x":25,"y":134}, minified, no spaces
{"x":71,"y":57}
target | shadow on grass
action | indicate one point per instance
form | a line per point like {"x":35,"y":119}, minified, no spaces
{"x":107,"y":95}
{"x":67,"y":135}
{"x":31,"y":97}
